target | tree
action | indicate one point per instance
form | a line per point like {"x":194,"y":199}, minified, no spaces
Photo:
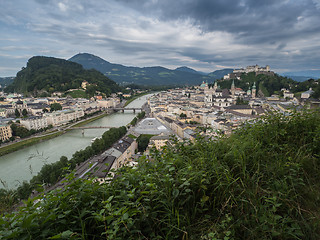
{"x":134,"y":121}
{"x":183,"y":115}
{"x":143,"y":142}
{"x":17,"y":113}
{"x":19,"y":131}
{"x":240,"y":101}
{"x":24,"y":112}
{"x":141,"y":115}
{"x":55,"y":107}
{"x":45,"y":110}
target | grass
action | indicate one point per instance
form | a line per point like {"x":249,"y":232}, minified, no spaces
{"x":25,"y":143}
{"x":260,"y":183}
{"x":132,"y":136}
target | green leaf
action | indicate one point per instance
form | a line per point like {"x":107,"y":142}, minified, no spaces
{"x":64,"y":235}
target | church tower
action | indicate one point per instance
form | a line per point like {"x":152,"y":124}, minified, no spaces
{"x":215,"y":87}
{"x":233,"y":89}
{"x":249,"y":92}
{"x":253,"y":95}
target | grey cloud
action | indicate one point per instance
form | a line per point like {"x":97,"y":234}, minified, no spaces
{"x":245,"y":19}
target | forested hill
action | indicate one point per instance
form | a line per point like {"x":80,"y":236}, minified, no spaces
{"x":143,"y":76}
{"x":268,"y":85}
{"x":53,"y":74}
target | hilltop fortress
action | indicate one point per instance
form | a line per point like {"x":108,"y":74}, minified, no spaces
{"x":255,"y":68}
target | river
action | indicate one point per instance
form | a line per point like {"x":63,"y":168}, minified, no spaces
{"x":22,"y":165}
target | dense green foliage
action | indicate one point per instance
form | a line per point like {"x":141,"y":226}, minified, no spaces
{"x":22,"y":132}
{"x":141,"y":115}
{"x":261,"y":183}
{"x":138,"y":117}
{"x":53,"y":74}
{"x":55,"y":107}
{"x":143,"y":142}
{"x":183,"y":115}
{"x":240,"y":101}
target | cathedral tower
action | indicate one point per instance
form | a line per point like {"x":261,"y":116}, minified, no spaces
{"x":233,"y":89}
{"x":253,"y":95}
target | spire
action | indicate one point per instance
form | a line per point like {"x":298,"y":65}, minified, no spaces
{"x":233,"y":89}
{"x":215,"y":85}
{"x":254,"y":90}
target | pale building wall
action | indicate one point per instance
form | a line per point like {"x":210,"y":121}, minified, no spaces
{"x":5,"y":132}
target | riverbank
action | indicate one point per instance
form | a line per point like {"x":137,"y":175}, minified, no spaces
{"x":89,"y":120}
{"x":23,"y":164}
{"x":14,"y":146}
{"x":135,"y":97}
{"x":28,"y":142}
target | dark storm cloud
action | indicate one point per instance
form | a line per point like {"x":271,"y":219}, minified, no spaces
{"x":203,"y":34}
{"x":252,"y":21}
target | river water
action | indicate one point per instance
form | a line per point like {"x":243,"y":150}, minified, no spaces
{"x":22,"y":165}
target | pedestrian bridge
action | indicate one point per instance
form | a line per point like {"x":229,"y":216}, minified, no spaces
{"x":89,"y":127}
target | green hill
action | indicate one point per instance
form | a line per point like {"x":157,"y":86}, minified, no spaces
{"x":53,"y":74}
{"x":142,"y":76}
{"x":262,"y":182}
{"x":267,"y":84}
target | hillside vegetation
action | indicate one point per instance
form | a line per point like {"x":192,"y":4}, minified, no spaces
{"x":271,"y":84}
{"x":53,"y":74}
{"x":262,"y":182}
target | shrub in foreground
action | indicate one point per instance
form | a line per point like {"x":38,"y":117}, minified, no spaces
{"x":263,"y":182}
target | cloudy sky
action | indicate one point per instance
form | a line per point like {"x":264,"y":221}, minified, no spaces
{"x":202,"y":34}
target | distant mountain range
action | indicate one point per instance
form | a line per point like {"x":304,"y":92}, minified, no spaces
{"x":147,"y":75}
{"x":301,"y":76}
{"x":5,"y":81}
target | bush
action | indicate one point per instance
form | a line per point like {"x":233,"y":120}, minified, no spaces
{"x":263,"y":182}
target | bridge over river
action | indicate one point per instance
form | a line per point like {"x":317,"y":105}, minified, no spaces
{"x":22,"y":165}
{"x":134,"y":109}
{"x":89,"y":127}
